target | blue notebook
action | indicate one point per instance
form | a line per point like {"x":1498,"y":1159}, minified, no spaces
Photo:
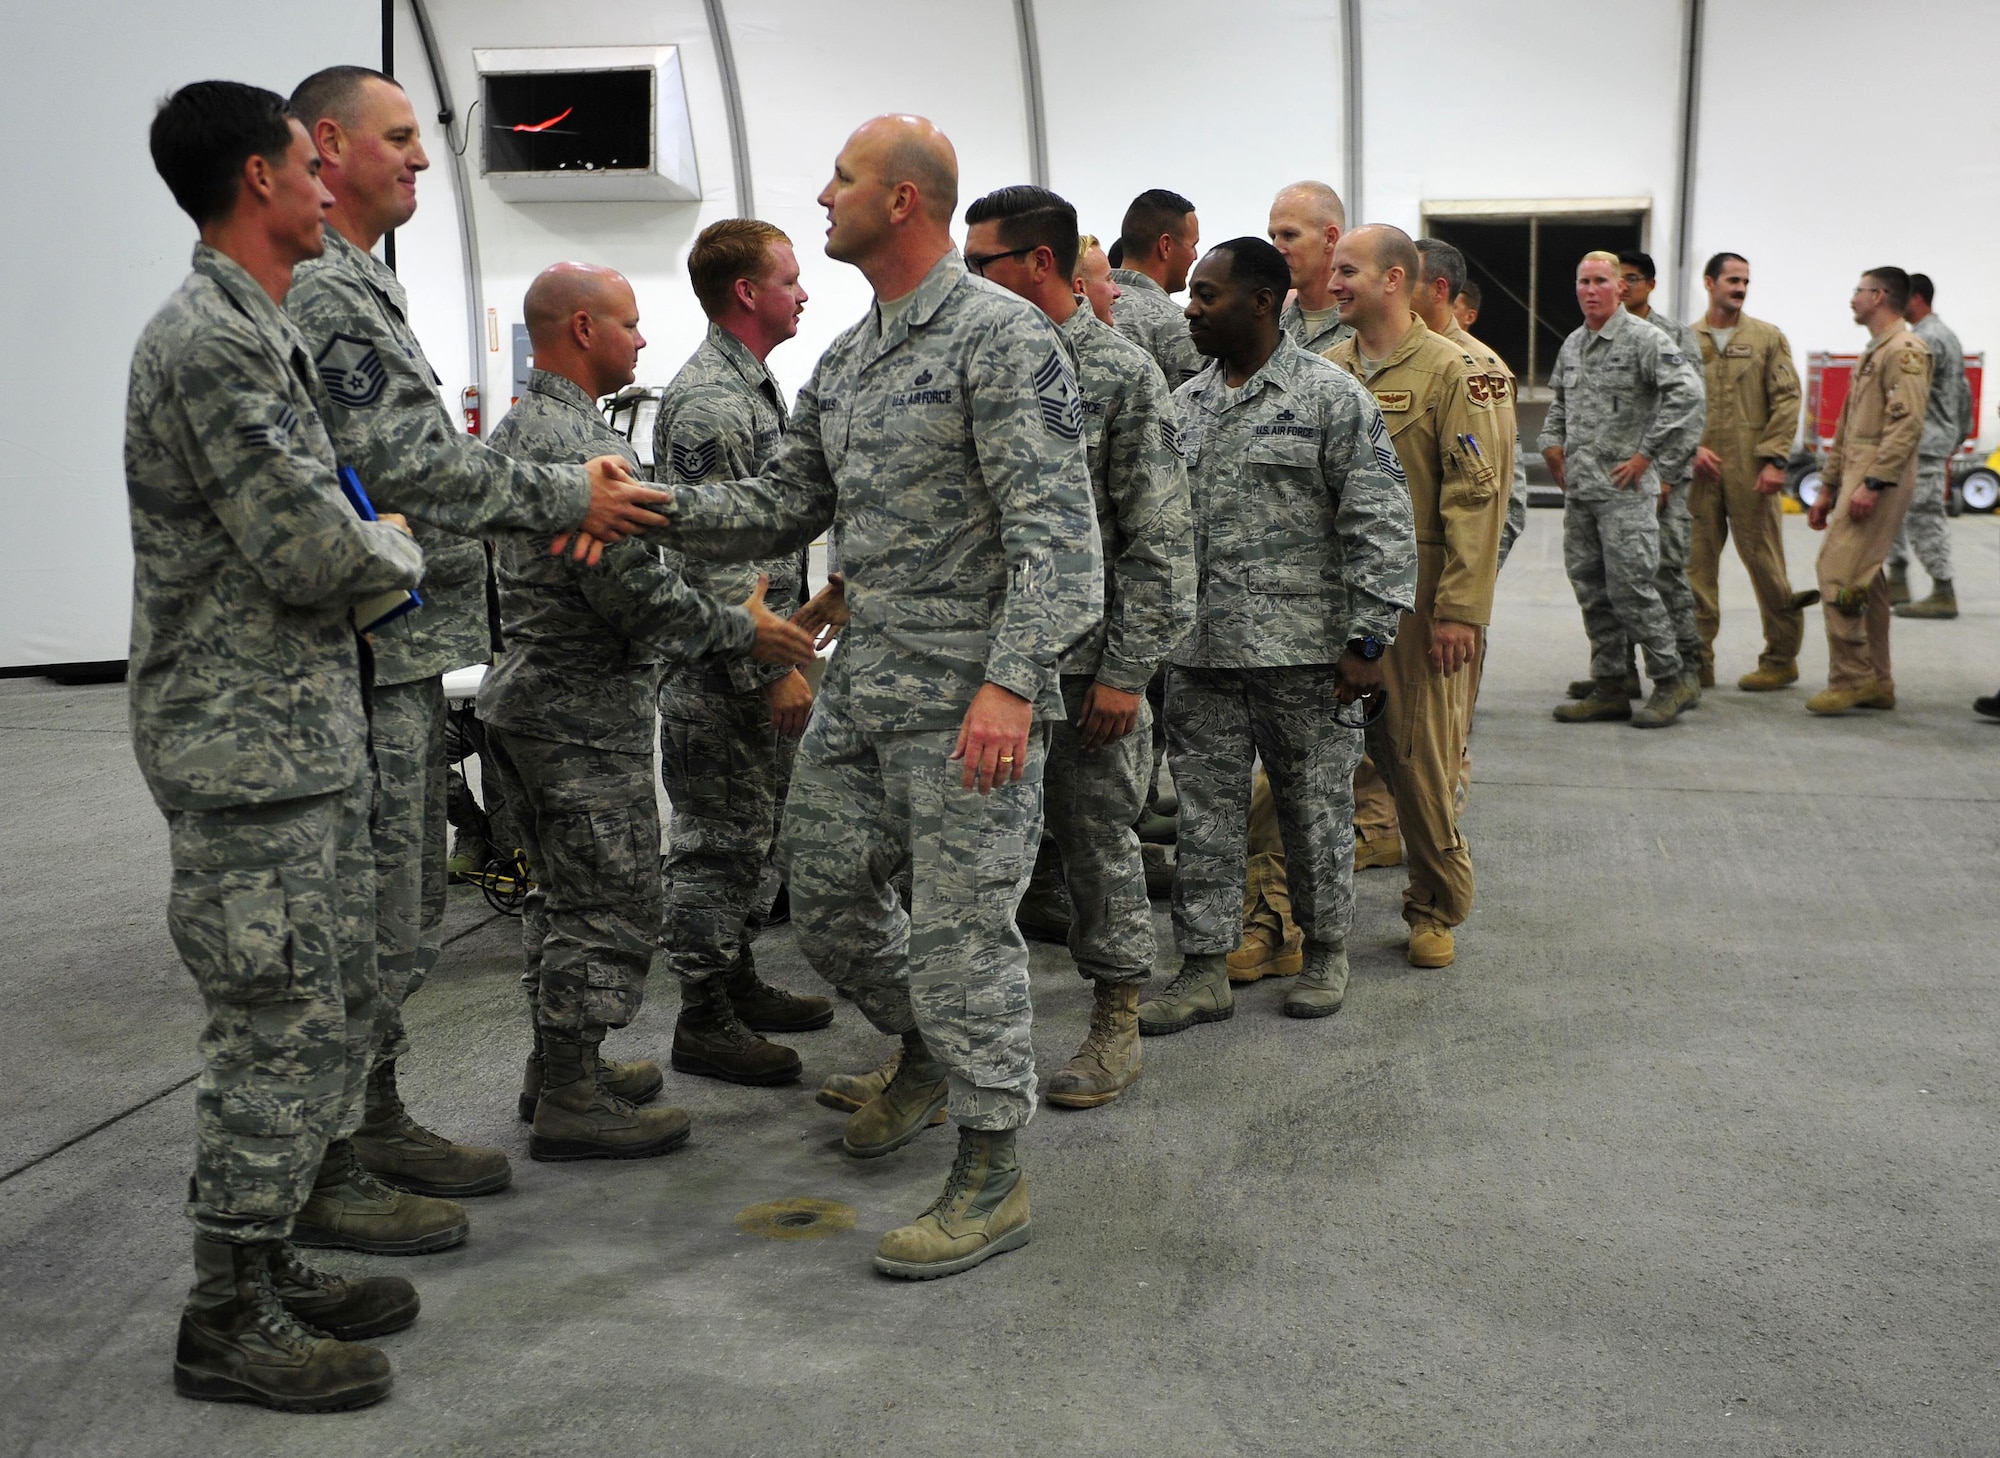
{"x":384,"y":607}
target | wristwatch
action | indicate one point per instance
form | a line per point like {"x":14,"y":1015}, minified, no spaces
{"x":1876,"y":483}
{"x":1367,"y":647}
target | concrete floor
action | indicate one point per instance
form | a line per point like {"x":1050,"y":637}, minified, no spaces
{"x":1692,"y":1152}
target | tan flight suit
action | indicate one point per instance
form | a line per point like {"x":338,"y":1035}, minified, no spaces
{"x":1375,"y":815}
{"x":1876,"y":439}
{"x":1439,"y":406}
{"x":1753,"y":411}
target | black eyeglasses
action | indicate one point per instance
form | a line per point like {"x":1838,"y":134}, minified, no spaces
{"x":980,"y":262}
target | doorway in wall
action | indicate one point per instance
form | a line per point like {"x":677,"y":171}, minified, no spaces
{"x":1523,"y":256}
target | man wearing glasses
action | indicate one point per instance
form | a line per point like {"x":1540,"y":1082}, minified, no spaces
{"x":1870,"y":474}
{"x":1307,"y":561}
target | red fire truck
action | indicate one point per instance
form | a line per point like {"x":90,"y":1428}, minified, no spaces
{"x":1974,"y":483}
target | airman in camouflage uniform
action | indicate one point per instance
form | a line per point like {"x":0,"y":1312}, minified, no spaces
{"x":941,"y":437}
{"x":1306,"y":560}
{"x":725,"y":762}
{"x":569,"y":718}
{"x":248,"y":720}
{"x":1145,"y":312}
{"x":1947,"y":422}
{"x":1099,"y":758}
{"x":1623,"y":394}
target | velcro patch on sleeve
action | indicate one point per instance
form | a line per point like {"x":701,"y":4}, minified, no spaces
{"x":693,"y":462}
{"x":352,"y":371}
{"x":1055,"y":392}
{"x":1913,"y":363}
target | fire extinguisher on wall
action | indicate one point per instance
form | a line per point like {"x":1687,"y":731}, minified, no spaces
{"x":470,"y":401}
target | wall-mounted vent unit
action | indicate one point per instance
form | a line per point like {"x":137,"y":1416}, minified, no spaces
{"x":584,"y":124}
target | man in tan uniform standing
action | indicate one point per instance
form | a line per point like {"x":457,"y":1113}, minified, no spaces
{"x":1739,"y":468}
{"x":1873,"y":468}
{"x":1439,"y":407}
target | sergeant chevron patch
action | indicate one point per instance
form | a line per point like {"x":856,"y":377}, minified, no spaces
{"x":1062,"y":407}
{"x":693,"y":462}
{"x":352,"y":372}
{"x":1385,"y":454}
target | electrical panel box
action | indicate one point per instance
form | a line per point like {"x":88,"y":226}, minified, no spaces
{"x":576,"y":124}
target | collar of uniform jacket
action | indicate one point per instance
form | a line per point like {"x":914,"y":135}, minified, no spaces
{"x":1406,"y":347}
{"x":1131,"y":278}
{"x":753,"y":370}
{"x":563,"y":388}
{"x":248,"y":295}
{"x":1279,"y":373}
{"x":1619,"y":319}
{"x":945,"y":275}
{"x":377,"y":274}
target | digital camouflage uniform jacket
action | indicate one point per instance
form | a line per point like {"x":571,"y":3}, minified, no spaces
{"x":1438,"y":402}
{"x":722,"y":419}
{"x":389,"y":424}
{"x":1948,"y":415}
{"x":947,"y":452}
{"x":1147,"y":315}
{"x":1624,"y":390}
{"x":1293,"y":322}
{"x":1131,"y":439}
{"x":1302,"y":517}
{"x":1882,"y":420}
{"x":584,"y":644}
{"x":246,"y":558}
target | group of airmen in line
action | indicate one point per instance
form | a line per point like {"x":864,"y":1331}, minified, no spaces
{"x":1070,"y":523}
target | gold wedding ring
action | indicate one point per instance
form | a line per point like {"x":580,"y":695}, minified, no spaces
{"x":1006,"y":759}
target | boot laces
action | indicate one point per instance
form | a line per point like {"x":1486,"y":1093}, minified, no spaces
{"x":274,"y":1316}
{"x":1190,"y":976}
{"x":955,"y":1183}
{"x":1103,"y":1030}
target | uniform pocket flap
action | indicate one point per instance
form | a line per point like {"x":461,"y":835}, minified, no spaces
{"x":1281,"y":578}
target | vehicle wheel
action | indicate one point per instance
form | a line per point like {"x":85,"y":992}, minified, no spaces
{"x":1979,"y":488}
{"x":1810,"y":484}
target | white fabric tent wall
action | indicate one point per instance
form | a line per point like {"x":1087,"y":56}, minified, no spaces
{"x":93,"y":245}
{"x":1547,"y":98}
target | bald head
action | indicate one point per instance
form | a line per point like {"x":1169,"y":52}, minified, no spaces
{"x":1388,"y":248}
{"x":1319,"y":203}
{"x":891,"y":202}
{"x":910,"y":149}
{"x":584,"y":324}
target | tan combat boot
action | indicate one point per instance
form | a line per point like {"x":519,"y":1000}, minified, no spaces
{"x":903,"y":1109}
{"x":849,"y":1091}
{"x":349,"y":1209}
{"x":577,"y":1117}
{"x":239,"y":1343}
{"x":635,"y":1082}
{"x":982,"y":1212}
{"x":1942,"y":603}
{"x":1670,"y":700}
{"x":1899,"y":583}
{"x":399,"y":1151}
{"x":1266,"y":950}
{"x":1378,"y":851}
{"x":1322,"y":987}
{"x":1431,"y":944}
{"x":1608,"y":700}
{"x":1831,"y":701}
{"x":1583,"y":688}
{"x":1199,"y":993}
{"x":1764,"y":680}
{"x":1108,"y":1062}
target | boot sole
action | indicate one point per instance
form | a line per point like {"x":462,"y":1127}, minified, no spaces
{"x":847,"y":1106}
{"x":1283,"y":967}
{"x":1638,"y":723}
{"x":208,"y":1387}
{"x":1086,"y":1100}
{"x":929,"y":1121}
{"x":1607,"y":717}
{"x":559,"y":1151}
{"x":931,"y":1270}
{"x":491,"y":1184}
{"x":1300,"y":1010}
{"x":1429,"y":960}
{"x":1206,"y":1015}
{"x":702,"y":1068}
{"x":314,"y":1238}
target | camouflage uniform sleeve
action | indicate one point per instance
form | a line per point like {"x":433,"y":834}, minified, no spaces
{"x":1517,"y":505}
{"x":1152,"y":582}
{"x":400,"y":439}
{"x":1951,"y":396}
{"x":759,"y":516}
{"x":1907,"y":380}
{"x":711,"y":436}
{"x":1553,"y":422}
{"x":1372,"y":518}
{"x":1670,"y":441}
{"x":1471,"y":506}
{"x":1027,"y":426}
{"x":648,"y":602}
{"x":282,"y":507}
{"x":1781,"y":390}
{"x":1177,"y":345}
